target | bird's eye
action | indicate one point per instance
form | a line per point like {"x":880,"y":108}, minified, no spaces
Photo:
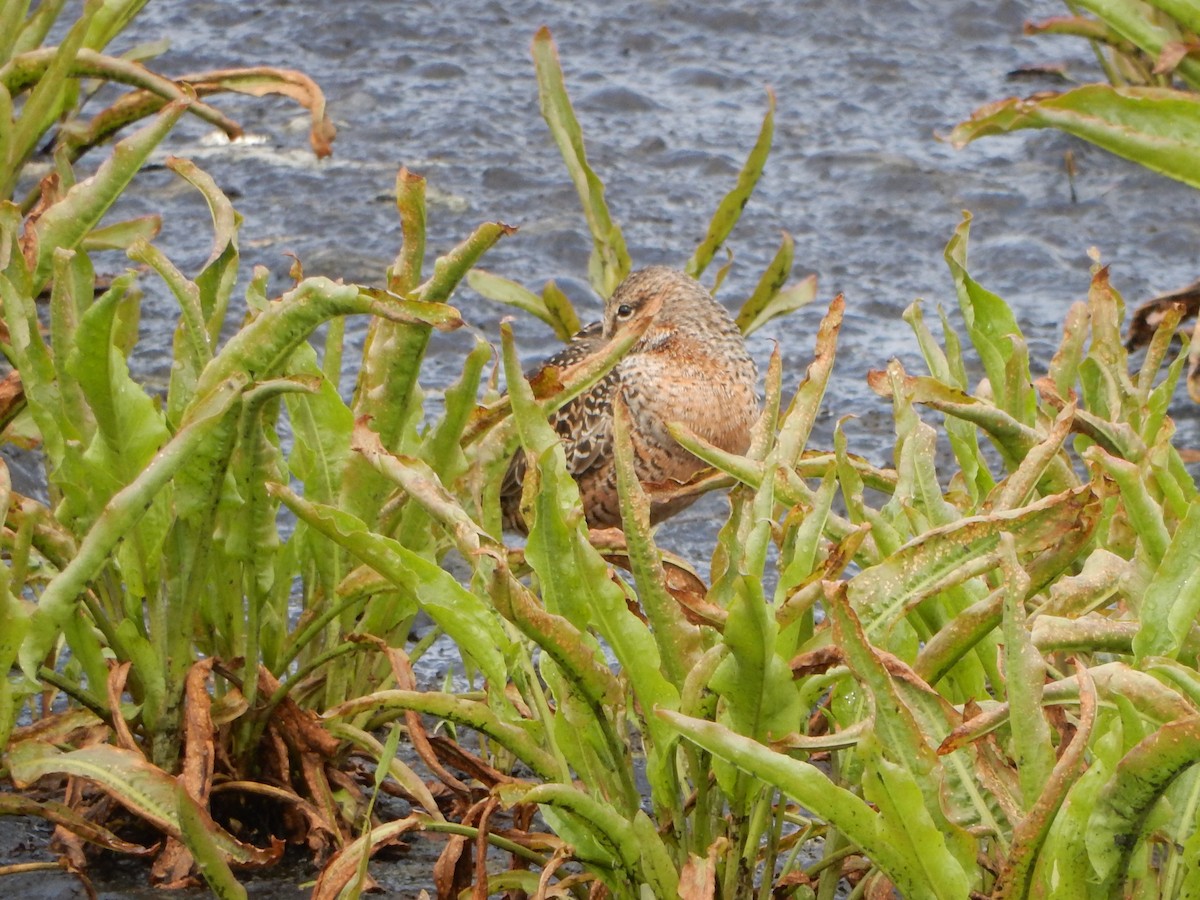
{"x":624,"y":311}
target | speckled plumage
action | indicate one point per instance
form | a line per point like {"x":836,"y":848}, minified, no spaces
{"x":690,"y":366}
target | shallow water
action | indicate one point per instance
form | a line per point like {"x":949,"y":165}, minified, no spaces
{"x":670,"y":96}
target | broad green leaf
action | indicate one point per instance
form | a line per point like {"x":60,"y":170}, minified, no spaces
{"x":561,"y":310}
{"x":1185,"y":13}
{"x":59,"y":600}
{"x":1025,"y":675}
{"x":521,"y":740}
{"x":609,"y":263}
{"x":1155,"y":127}
{"x":68,"y":222}
{"x":15,"y":615}
{"x":197,"y":832}
{"x":110,"y":20}
{"x":1172,"y":598}
{"x":219,"y":272}
{"x":812,"y":789}
{"x":906,"y":824}
{"x":994,"y":331}
{"x":1142,"y":509}
{"x":119,"y":235}
{"x":125,"y":775}
{"x":450,"y":269}
{"x":1032,"y":832}
{"x":52,"y":95}
{"x":405,"y":273}
{"x":39,"y":376}
{"x":678,"y":641}
{"x":802,"y":413}
{"x":637,"y":849}
{"x":729,"y":210}
{"x":263,"y":347}
{"x":461,"y":614}
{"x":130,"y":426}
{"x":1136,"y":23}
{"x":504,"y":290}
{"x":948,"y":555}
{"x":893,"y":722}
{"x":1145,"y":772}
{"x":1013,"y":439}
{"x":786,"y":299}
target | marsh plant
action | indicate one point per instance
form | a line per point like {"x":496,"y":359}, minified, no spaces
{"x":1148,"y":112}
{"x":968,"y":678}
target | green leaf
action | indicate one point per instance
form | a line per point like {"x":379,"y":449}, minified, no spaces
{"x":503,"y":290}
{"x":1033,"y":831}
{"x":197,"y":833}
{"x":405,"y":273}
{"x":609,"y":263}
{"x":450,"y":269}
{"x":69,"y":221}
{"x":1116,"y":823}
{"x":147,"y":790}
{"x":942,"y":557}
{"x":908,"y":827}
{"x":678,"y":641}
{"x":729,"y":210}
{"x":51,"y":96}
{"x":1151,"y":33}
{"x":219,"y":272}
{"x":58,"y":602}
{"x":1025,"y":674}
{"x":263,"y":347}
{"x":1156,"y":127}
{"x":769,"y":302}
{"x":462,"y":615}
{"x":1171,"y":601}
{"x":994,"y":331}
{"x":760,"y":698}
{"x":813,"y":790}
{"x":520,"y":740}
{"x":119,"y":235}
{"x":130,"y":426}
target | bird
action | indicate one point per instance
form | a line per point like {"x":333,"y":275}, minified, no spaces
{"x":690,"y":366}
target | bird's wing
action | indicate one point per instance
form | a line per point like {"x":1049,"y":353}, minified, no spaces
{"x":584,"y":425}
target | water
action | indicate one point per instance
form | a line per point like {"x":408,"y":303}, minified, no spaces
{"x":670,"y":96}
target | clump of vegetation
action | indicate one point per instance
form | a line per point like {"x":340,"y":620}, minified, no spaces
{"x":1149,"y":111}
{"x":976,"y":682}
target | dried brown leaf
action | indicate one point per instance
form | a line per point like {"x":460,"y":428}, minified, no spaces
{"x":402,"y":671}
{"x":453,"y":870}
{"x":259,"y":81}
{"x":116,"y":687}
{"x":1172,"y":54}
{"x":561,"y":855}
{"x":12,"y":391}
{"x":453,"y":753}
{"x":698,"y":878}
{"x":198,"y":756}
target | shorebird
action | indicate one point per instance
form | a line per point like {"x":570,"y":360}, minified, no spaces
{"x":690,"y":366}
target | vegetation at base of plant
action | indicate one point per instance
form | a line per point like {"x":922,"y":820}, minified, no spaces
{"x":1149,"y":112}
{"x":958,"y":675}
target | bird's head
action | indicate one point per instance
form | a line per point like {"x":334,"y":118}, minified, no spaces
{"x":666,"y":296}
